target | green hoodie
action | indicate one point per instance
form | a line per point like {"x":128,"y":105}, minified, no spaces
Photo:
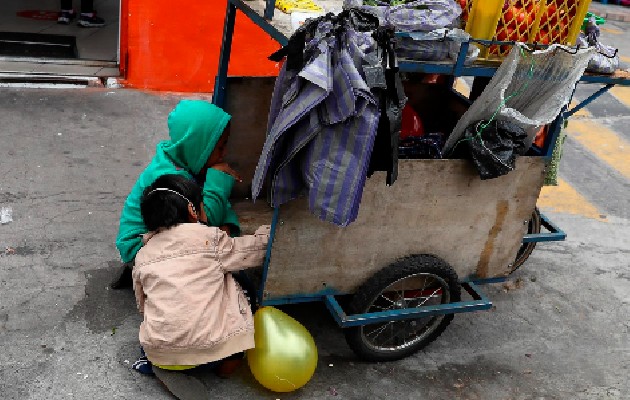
{"x":195,"y":127}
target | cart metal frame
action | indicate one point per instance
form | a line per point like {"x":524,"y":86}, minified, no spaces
{"x":454,"y":70}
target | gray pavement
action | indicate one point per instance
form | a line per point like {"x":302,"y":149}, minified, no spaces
{"x":560,"y":328}
{"x":611,"y":12}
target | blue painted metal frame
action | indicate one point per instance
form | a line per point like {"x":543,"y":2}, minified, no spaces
{"x":270,"y":7}
{"x":555,"y":234}
{"x":272,"y":236}
{"x":220,"y":84}
{"x":263,"y":22}
{"x":480,"y":302}
{"x":588,"y":100}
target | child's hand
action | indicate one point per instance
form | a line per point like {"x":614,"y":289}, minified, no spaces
{"x":225,"y":167}
{"x":226,"y":229}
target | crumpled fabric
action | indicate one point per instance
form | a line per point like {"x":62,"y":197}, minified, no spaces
{"x":323,"y":118}
{"x":437,"y":45}
{"x":605,"y":60}
{"x":422,"y":15}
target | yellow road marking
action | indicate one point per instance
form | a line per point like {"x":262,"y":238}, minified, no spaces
{"x":565,"y":199}
{"x":625,"y":59}
{"x":611,"y":30}
{"x":462,"y":87}
{"x":602,"y":142}
{"x":582,"y":113}
{"x":622,"y":94}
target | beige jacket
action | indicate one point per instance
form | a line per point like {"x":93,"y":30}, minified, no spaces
{"x":194,"y":311}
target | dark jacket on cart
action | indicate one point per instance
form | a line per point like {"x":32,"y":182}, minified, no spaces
{"x":323,"y":124}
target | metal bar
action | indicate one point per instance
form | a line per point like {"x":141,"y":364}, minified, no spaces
{"x":294,"y":299}
{"x":555,"y":234}
{"x":552,"y":135}
{"x":476,"y":293}
{"x":300,"y":298}
{"x":414,"y":313}
{"x":262,"y":22}
{"x":544,"y":237}
{"x":604,"y":79}
{"x":346,"y":321}
{"x":220,"y":84}
{"x":272,"y":235}
{"x":553,"y":228}
{"x":486,"y":281}
{"x":588,"y":100}
{"x":269,"y":9}
{"x":461,"y":59}
{"x":335,"y":310}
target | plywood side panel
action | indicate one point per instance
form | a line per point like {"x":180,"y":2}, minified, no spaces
{"x":439,"y":207}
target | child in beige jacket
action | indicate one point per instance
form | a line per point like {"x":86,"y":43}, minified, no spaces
{"x":194,"y":311}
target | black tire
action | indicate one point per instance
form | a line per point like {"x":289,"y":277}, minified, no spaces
{"x":526,"y":249}
{"x":442,"y":280}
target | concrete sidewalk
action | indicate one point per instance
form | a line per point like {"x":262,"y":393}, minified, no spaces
{"x":68,"y":158}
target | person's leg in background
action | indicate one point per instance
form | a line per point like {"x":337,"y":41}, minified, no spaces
{"x":67,"y":14}
{"x":88,"y":17}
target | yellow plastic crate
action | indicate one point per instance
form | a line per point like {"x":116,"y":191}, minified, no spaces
{"x":530,"y":21}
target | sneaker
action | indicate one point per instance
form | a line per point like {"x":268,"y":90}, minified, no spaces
{"x":66,"y":16}
{"x":91,"y":21}
{"x":143,"y":365}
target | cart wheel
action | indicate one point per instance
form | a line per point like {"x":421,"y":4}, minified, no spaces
{"x":527,"y":248}
{"x":414,"y":281}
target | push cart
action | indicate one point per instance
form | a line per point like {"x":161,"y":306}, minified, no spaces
{"x":420,"y":249}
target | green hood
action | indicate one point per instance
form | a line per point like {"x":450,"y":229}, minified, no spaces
{"x":194,"y":126}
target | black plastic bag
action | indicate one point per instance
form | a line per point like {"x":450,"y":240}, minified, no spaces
{"x":424,"y":147}
{"x":494,"y":145}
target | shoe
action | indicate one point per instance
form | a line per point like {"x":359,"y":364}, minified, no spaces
{"x":66,"y":16}
{"x":91,"y":21}
{"x":143,"y":366}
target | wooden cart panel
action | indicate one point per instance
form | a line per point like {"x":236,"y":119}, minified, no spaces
{"x":439,"y":207}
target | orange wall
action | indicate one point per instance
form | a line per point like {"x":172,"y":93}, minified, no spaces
{"x":173,"y":46}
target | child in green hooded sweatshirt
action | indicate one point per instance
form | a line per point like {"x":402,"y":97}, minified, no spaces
{"x":198,"y":133}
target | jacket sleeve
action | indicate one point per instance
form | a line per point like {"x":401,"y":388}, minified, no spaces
{"x":243,"y":252}
{"x":138,"y":290}
{"x":231,"y":219}
{"x":216,"y":194}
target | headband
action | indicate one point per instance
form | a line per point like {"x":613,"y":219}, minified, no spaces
{"x":175,"y":192}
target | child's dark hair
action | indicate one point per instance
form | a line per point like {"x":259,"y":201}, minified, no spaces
{"x":165,"y":203}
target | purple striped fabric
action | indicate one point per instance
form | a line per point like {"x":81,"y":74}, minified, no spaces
{"x":322,"y":126}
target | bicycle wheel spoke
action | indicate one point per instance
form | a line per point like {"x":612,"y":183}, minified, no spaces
{"x":380,"y":330}
{"x":428,"y":297}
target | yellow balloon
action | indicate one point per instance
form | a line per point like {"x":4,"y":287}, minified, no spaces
{"x":285,"y":356}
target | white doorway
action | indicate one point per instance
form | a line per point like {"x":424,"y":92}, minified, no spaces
{"x":34,"y":23}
